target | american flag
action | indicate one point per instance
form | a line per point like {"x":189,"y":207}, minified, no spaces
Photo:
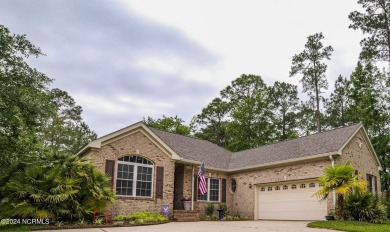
{"x":202,"y":181}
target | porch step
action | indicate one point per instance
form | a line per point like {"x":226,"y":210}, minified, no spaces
{"x":186,"y":215}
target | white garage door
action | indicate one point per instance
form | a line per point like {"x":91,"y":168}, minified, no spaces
{"x":290,"y":201}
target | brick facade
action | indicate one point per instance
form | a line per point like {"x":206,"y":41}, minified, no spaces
{"x":243,"y":200}
{"x":139,"y":142}
{"x":358,"y":153}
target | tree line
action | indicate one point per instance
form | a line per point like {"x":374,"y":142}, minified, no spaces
{"x":248,"y":113}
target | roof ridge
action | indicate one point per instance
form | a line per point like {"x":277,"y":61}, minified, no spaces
{"x":305,"y":136}
{"x":188,"y":136}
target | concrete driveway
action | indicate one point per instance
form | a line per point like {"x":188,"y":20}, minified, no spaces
{"x":230,"y":226}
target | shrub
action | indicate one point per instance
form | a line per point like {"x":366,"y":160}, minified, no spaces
{"x":120,"y":217}
{"x":98,"y":221}
{"x":364,"y":207}
{"x":209,"y":209}
{"x":58,"y":186}
{"x":145,"y":217}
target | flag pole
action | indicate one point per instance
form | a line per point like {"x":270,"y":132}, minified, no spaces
{"x":193,"y":190}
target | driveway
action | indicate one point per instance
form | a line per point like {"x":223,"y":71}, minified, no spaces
{"x":230,"y":226}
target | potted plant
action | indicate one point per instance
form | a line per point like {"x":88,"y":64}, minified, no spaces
{"x":330,"y":216}
{"x":186,"y":203}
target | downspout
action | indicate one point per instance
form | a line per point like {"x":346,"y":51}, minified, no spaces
{"x":192,"y":188}
{"x":334,"y":192}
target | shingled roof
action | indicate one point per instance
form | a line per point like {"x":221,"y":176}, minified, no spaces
{"x":195,"y":149}
{"x":200,"y":150}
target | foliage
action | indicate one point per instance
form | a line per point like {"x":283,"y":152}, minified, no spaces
{"x":285,"y":100}
{"x":364,"y":207}
{"x":309,"y":64}
{"x":171,"y":124}
{"x":120,"y":217}
{"x":343,"y":180}
{"x":209,"y":209}
{"x":33,"y":117}
{"x":59,"y":186}
{"x":18,"y":228}
{"x":337,"y":105}
{"x":351,"y":226}
{"x":374,"y":22}
{"x":98,"y":221}
{"x":141,"y":217}
{"x":251,"y":112}
{"x":212,"y":122}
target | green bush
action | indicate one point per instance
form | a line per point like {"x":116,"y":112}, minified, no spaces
{"x":209,"y":209}
{"x":225,"y":209}
{"x":388,"y":205}
{"x":120,"y":217}
{"x":364,"y":207}
{"x":145,"y":217}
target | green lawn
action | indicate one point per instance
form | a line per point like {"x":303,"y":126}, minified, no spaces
{"x":24,"y":228}
{"x":352,"y":226}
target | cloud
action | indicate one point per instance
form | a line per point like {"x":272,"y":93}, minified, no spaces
{"x":119,"y":66}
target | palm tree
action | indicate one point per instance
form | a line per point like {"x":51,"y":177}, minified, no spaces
{"x":58,"y":186}
{"x":343,"y":180}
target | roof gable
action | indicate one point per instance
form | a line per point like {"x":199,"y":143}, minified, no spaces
{"x":137,"y":127}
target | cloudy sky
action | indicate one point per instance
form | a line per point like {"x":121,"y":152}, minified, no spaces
{"x":123,"y":60}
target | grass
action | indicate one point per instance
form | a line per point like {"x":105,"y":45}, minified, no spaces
{"x":12,"y":228}
{"x":352,"y":226}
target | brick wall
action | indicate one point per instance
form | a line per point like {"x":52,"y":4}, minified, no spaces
{"x":138,"y":144}
{"x":243,"y":200}
{"x":358,"y":153}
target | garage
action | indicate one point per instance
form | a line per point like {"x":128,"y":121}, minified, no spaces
{"x":290,"y":201}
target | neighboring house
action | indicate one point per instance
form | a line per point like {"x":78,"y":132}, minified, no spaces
{"x":150,"y":168}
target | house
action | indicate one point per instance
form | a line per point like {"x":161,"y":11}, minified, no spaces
{"x":150,"y":168}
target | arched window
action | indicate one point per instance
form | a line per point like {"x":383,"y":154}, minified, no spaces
{"x":134,"y":177}
{"x":277,"y":188}
{"x":303,"y":186}
{"x":293,"y":186}
{"x":312,"y":185}
{"x":285,"y":187}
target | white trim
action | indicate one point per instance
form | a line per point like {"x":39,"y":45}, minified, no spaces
{"x":135,"y":176}
{"x":208,"y":190}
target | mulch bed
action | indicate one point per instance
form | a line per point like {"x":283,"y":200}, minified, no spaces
{"x":53,"y":227}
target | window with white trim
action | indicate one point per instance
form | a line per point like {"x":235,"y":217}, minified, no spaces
{"x":212,"y":190}
{"x":303,"y":186}
{"x":134,"y":177}
{"x":294,"y":186}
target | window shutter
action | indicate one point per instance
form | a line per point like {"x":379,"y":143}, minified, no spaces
{"x":110,"y":167}
{"x":223,"y":190}
{"x":160,"y":182}
{"x":356,"y":172}
{"x":195,"y":187}
{"x":375,"y":185}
